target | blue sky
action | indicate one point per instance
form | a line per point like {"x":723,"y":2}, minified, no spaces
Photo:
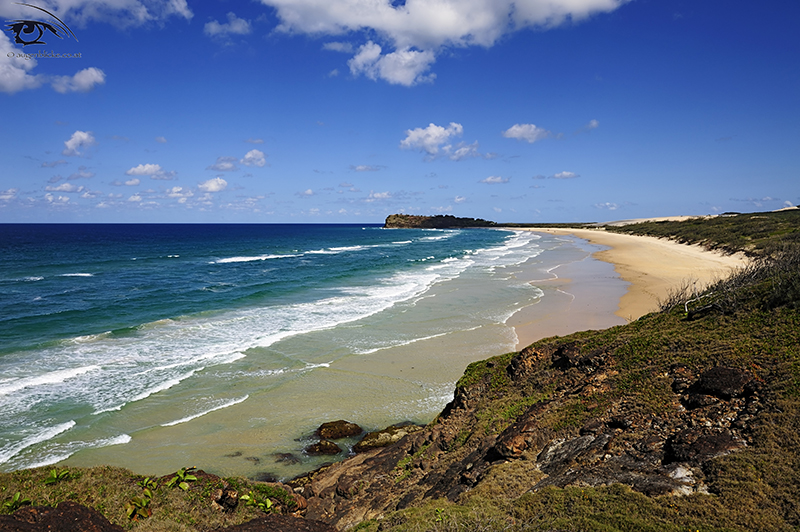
{"x":349,"y":110}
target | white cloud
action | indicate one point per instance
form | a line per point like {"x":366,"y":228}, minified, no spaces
{"x":254,"y":158}
{"x":432,"y":24}
{"x":373,"y":196}
{"x":224,"y":164}
{"x":495,"y":180}
{"x":78,"y":140}
{"x":430,"y":139}
{"x":145,"y":169}
{"x":83,"y":81}
{"x":306,"y":193}
{"x":15,"y":72}
{"x":122,"y":13}
{"x":428,"y":26}
{"x":8,"y":195}
{"x":64,"y":187}
{"x":161,"y":140}
{"x":213,"y":185}
{"x":135,"y":198}
{"x":345,"y":47}
{"x":365,"y":168}
{"x":234,"y":26}
{"x":460,"y":199}
{"x":53,"y":164}
{"x":593,"y":124}
{"x":132,"y":182}
{"x":462,"y":151}
{"x":607,"y":205}
{"x":153,"y":170}
{"x":565,"y":175}
{"x":403,"y":67}
{"x":251,"y":140}
{"x":527,"y":132}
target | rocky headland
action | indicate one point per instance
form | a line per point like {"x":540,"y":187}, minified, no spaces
{"x":412,"y":221}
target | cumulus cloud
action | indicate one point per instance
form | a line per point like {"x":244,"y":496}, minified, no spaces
{"x":527,"y":132}
{"x":427,"y":26}
{"x":83,"y":81}
{"x":495,"y":180}
{"x":402,"y":67}
{"x":8,"y":195}
{"x":161,"y":140}
{"x":78,"y":141}
{"x":234,"y":26}
{"x":132,"y":182}
{"x":224,"y":164}
{"x":216,"y":184}
{"x":431,"y":138}
{"x":254,"y":158}
{"x":565,"y":175}
{"x":15,"y":72}
{"x":306,"y":193}
{"x":377,"y":196}
{"x":121,"y":13}
{"x":64,"y":187}
{"x":153,"y":170}
{"x":460,"y":199}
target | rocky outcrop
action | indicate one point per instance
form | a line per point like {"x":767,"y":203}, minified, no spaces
{"x":66,"y":517}
{"x":385,"y":437}
{"x":659,"y":449}
{"x":334,"y":430}
{"x":411,"y":221}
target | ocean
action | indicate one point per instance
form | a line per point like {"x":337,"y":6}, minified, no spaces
{"x":155,"y":347}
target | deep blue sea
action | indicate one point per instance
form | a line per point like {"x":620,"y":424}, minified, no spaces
{"x":161,"y":346}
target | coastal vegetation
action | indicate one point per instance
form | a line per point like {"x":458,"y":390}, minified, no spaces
{"x":440,"y":221}
{"x":686,"y":419}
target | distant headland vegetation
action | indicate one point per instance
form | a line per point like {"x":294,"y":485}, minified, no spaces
{"x":447,"y":221}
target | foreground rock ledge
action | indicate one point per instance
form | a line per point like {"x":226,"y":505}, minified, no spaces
{"x":655,"y":453}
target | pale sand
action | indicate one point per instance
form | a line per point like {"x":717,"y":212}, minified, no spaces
{"x":652,"y":266}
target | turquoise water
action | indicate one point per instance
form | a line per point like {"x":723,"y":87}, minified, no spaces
{"x":160,"y":346}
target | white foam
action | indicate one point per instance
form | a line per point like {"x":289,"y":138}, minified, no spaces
{"x":53,"y":377}
{"x":59,"y":455}
{"x":251,"y":259}
{"x":77,"y":275}
{"x":195,"y":416}
{"x":43,"y":435}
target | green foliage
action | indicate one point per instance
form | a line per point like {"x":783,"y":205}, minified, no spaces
{"x":15,"y":502}
{"x":57,"y":476}
{"x":264,"y":504}
{"x":139,"y":507}
{"x":182,"y":478}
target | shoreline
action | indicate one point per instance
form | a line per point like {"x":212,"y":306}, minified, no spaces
{"x":651,"y":267}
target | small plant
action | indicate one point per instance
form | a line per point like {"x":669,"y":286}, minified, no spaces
{"x":57,"y":476}
{"x":148,"y":483}
{"x":140,"y":506}
{"x":15,"y":502}
{"x":265,"y":505}
{"x":182,"y":478}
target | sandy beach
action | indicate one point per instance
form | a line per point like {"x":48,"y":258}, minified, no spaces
{"x":650,"y":265}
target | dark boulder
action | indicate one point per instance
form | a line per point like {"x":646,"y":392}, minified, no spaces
{"x":323,"y":447}
{"x":279,"y":523}
{"x":66,"y":517}
{"x":334,"y":430}
{"x":698,"y":445}
{"x":385,"y":437}
{"x":723,"y":382}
